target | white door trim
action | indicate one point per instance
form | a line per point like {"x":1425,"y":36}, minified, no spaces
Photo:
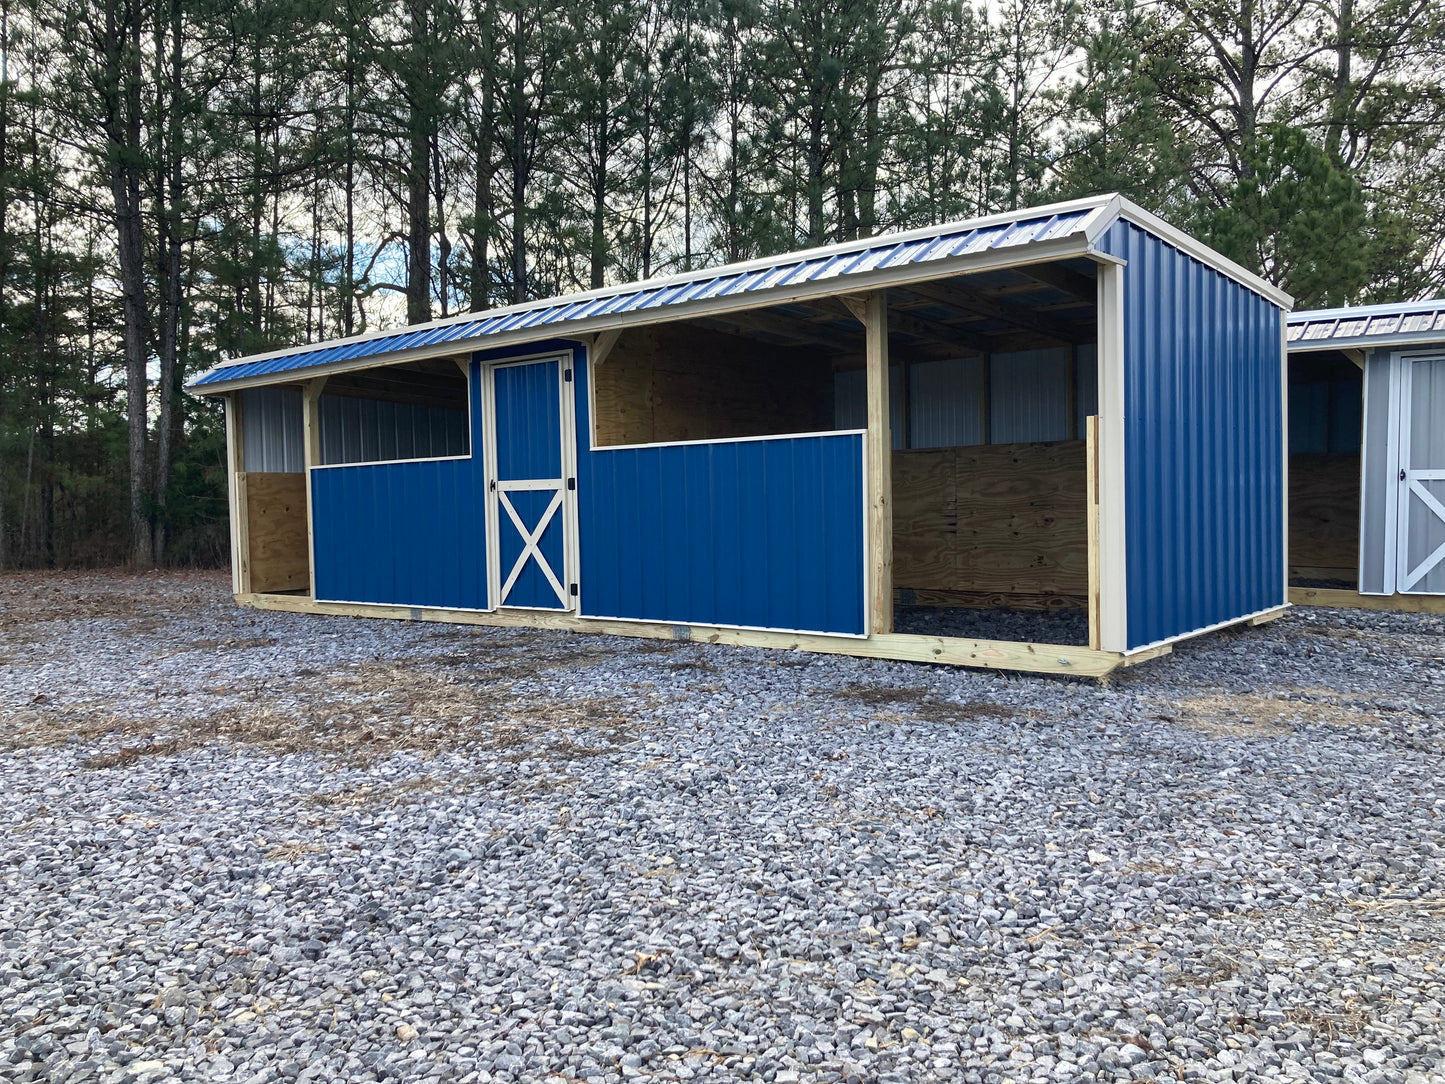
{"x":1407,"y":480}
{"x":565,"y":501}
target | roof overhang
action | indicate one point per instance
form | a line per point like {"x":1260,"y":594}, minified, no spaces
{"x":864,"y":265}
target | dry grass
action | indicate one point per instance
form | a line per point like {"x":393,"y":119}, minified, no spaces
{"x":1243,"y":715}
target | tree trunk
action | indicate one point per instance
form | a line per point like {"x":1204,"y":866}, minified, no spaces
{"x":121,"y":94}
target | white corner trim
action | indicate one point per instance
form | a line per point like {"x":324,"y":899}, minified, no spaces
{"x":1203,"y":253}
{"x":1113,"y":555}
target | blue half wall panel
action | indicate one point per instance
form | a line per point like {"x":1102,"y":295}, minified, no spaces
{"x":402,"y":534}
{"x":1203,"y":444}
{"x":754,"y":533}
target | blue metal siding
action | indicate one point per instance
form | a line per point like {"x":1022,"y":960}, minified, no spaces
{"x":404,"y":534}
{"x":1204,"y":470}
{"x":529,"y":421}
{"x":757,"y":533}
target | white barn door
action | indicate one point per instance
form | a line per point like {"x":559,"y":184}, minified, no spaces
{"x":1420,"y":505}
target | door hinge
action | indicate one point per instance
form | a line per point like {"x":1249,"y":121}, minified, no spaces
{"x":571,"y":483}
{"x":567,"y":375}
{"x":573,"y":590}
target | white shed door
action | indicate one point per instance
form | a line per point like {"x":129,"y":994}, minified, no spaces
{"x":1420,"y":536}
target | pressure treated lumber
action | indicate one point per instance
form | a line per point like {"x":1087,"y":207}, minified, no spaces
{"x":677,"y":382}
{"x":989,"y":654}
{"x":1351,"y":600}
{"x":995,"y":522}
{"x":275,"y":523}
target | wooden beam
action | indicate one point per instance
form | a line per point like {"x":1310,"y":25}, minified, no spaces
{"x":878,"y":463}
{"x":956,"y":338}
{"x":943,"y":650}
{"x":465,"y":365}
{"x":798,"y":332}
{"x":233,"y":467}
{"x":602,"y":344}
{"x":1062,"y":279}
{"x":960,"y":297}
{"x":311,"y":447}
{"x":1356,"y":356}
{"x":1353,"y":600}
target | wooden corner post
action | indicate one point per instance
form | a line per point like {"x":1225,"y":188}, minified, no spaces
{"x":236,"y":496}
{"x":311,"y":443}
{"x":872,"y":311}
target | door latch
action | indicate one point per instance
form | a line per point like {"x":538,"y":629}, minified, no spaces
{"x":1402,"y":474}
{"x":492,"y":485}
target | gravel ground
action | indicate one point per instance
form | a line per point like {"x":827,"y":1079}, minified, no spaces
{"x":267,"y":847}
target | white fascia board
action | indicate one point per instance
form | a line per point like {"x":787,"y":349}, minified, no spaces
{"x":1061,"y":248}
{"x":1365,"y":342}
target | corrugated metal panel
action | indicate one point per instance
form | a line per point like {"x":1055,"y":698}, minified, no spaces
{"x":1203,"y":442}
{"x":403,"y":534}
{"x":355,"y":430}
{"x":850,"y":399}
{"x":850,"y":402}
{"x":1369,"y":325}
{"x":951,"y":241}
{"x":946,"y":407}
{"x":1029,"y":396}
{"x":758,"y":533}
{"x":271,"y":430}
{"x":1377,"y":479}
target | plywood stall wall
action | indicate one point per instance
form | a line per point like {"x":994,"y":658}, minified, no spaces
{"x":681,"y":382}
{"x":992,"y":525}
{"x":1324,"y":517}
{"x":275,"y":518}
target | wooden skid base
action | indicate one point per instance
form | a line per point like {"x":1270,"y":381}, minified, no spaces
{"x":1351,"y":600}
{"x":947,"y":650}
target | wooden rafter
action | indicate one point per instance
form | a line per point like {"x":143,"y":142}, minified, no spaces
{"x":1062,"y":279}
{"x":960,"y":297}
{"x":801,"y":332}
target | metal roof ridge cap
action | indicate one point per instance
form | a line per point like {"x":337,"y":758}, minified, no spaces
{"x":1192,"y":246}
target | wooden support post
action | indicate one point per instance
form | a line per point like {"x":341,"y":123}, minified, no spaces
{"x":878,"y":458}
{"x":236,"y":496}
{"x":311,"y":432}
{"x":1091,"y":488}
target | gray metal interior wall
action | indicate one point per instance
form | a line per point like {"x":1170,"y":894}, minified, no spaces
{"x":355,"y":430}
{"x":271,"y":437}
{"x":1029,"y":398}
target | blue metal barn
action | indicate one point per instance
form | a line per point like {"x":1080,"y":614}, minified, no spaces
{"x":1367,"y":456}
{"x":1074,"y":414}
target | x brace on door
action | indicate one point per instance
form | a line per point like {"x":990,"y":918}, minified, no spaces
{"x":1432,"y":503}
{"x":530,"y":539}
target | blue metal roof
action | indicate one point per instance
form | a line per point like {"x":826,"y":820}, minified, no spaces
{"x":950,"y":243}
{"x":1368,"y":325}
